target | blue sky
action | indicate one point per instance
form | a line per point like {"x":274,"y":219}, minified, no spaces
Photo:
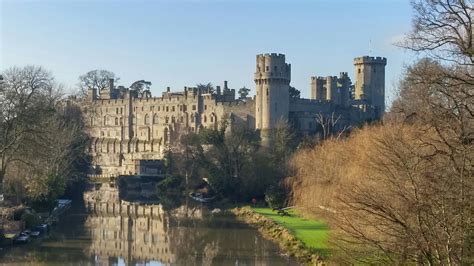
{"x":181,"y":43}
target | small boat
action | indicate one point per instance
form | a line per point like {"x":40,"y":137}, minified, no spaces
{"x":64,"y":203}
{"x":42,"y":228}
{"x":22,"y":239}
{"x":35,"y":233}
{"x":200,"y":198}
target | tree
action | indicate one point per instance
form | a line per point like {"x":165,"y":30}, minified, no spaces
{"x":205,"y":88}
{"x":443,"y":29}
{"x":141,"y":87}
{"x":243,"y":93}
{"x":26,"y":94}
{"x":95,"y":79}
{"x":329,"y":125}
{"x":294,"y":93}
{"x":41,"y":137}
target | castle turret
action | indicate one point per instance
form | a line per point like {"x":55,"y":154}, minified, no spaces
{"x":317,"y":88}
{"x":344,"y":83}
{"x":92,"y":94}
{"x":331,"y":89}
{"x":272,"y":79}
{"x":370,"y":82}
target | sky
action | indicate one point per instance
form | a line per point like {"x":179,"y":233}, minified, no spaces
{"x":182,"y":43}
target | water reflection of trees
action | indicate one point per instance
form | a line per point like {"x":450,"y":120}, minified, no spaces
{"x":136,"y":233}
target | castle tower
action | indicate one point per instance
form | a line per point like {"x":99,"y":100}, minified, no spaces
{"x":331,"y":89}
{"x":272,"y":80}
{"x":344,"y":82}
{"x":370,"y":82}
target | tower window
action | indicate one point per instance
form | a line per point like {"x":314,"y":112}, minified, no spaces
{"x":267,"y":68}
{"x":267,"y":91}
{"x":358,"y":70}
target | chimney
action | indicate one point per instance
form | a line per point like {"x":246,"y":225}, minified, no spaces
{"x":218,"y":90}
{"x":225,"y":85}
{"x":111,"y":84}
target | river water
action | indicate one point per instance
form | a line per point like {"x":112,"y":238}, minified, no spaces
{"x":106,"y":230}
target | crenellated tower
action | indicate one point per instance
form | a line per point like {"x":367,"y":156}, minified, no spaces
{"x":370,"y":82}
{"x":272,"y":80}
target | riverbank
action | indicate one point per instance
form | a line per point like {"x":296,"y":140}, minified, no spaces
{"x":304,"y":239}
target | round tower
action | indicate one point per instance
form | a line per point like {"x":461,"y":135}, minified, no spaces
{"x":272,"y":80}
{"x":370,"y":82}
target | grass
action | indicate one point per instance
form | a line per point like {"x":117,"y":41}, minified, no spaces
{"x":313,"y":233}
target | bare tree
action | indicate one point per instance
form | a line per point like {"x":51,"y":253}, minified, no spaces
{"x":444,"y":29}
{"x":26,"y":94}
{"x":95,"y":79}
{"x":330,"y":125}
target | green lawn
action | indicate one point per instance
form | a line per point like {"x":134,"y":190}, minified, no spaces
{"x":313,"y":233}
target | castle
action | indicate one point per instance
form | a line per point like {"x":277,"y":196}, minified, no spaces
{"x":128,"y":129}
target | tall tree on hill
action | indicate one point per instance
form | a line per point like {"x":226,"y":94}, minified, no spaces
{"x":95,"y":79}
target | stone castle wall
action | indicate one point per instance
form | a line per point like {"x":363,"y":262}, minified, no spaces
{"x":125,"y":128}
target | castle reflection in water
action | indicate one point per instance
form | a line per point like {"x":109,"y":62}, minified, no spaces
{"x":134,"y":233}
{"x":122,"y":229}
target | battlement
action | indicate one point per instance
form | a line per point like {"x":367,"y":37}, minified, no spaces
{"x":274,"y":55}
{"x":322,"y":78}
{"x":370,"y":60}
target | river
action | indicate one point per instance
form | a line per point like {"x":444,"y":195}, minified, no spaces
{"x":103,"y":229}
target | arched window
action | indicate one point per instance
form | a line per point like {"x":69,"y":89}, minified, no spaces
{"x":147,"y":119}
{"x":205,"y":119}
{"x":121,"y":121}
{"x":116,"y":121}
{"x":105,"y":120}
{"x":155,"y":119}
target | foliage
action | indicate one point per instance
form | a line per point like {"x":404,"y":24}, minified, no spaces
{"x":243,"y":93}
{"x":142,"y":87}
{"x":31,"y":219}
{"x":95,"y":79}
{"x":205,"y":88}
{"x":170,"y":183}
{"x":42,"y":139}
{"x":232,"y":161}
{"x":275,"y":196}
{"x":294,"y":93}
